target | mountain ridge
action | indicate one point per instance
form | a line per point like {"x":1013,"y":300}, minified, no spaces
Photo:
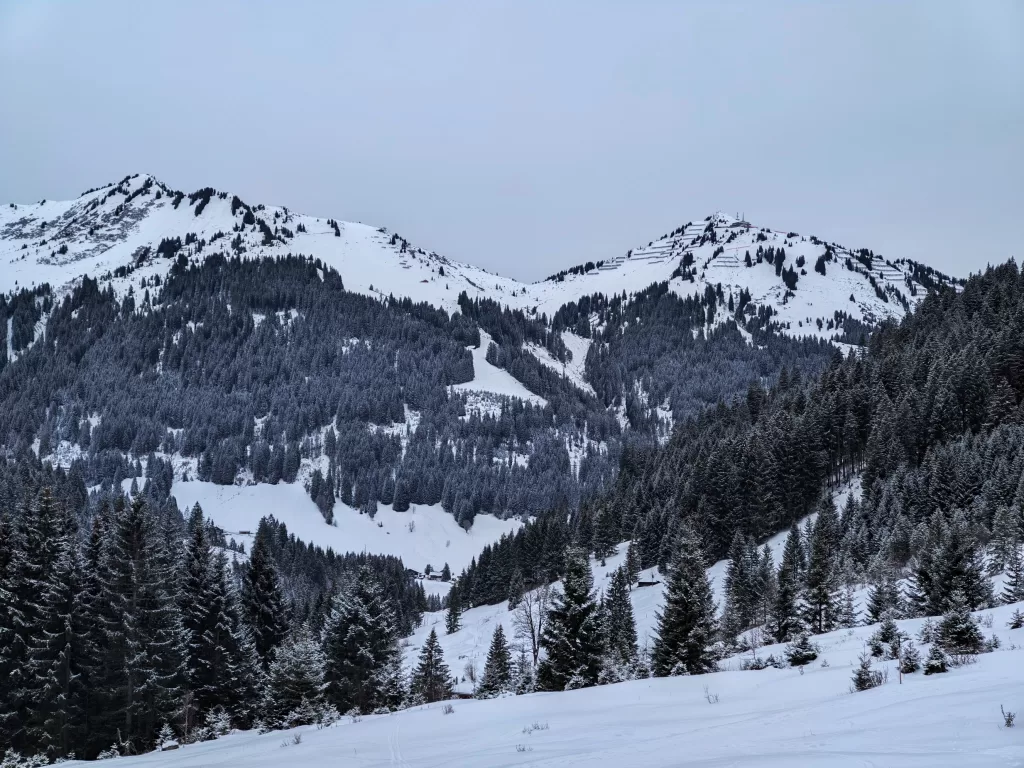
{"x":132,"y":223}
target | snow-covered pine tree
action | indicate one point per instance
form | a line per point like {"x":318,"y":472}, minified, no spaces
{"x":572,"y":636}
{"x":262,"y":600}
{"x":632,"y":563}
{"x":801,"y":651}
{"x":958,"y":632}
{"x":821,"y":588}
{"x":361,"y":648}
{"x":784,"y":621}
{"x":686,"y":625}
{"x":1013,"y":591}
{"x":515,"y":589}
{"x":959,"y":568}
{"x":295,"y":682}
{"x":14,"y":658}
{"x":431,"y":679}
{"x":143,"y":638}
{"x":497,"y":676}
{"x":937,"y":661}
{"x":884,"y":598}
{"x":453,"y":615}
{"x":1006,"y":537}
{"x":620,"y":630}
{"x":910,"y":658}
{"x":60,"y":654}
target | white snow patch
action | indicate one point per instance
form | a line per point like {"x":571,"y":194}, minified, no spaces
{"x":436,"y":537}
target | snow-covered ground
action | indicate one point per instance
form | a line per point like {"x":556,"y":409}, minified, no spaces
{"x":491,"y":380}
{"x":755,"y":719}
{"x":425,"y":535}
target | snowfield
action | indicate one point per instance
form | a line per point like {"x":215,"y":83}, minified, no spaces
{"x":756,"y":719}
{"x":423,"y":535}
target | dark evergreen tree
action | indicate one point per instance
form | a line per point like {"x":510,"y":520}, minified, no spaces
{"x":821,"y":590}
{"x":453,"y":616}
{"x":620,"y":629}
{"x":361,"y":648}
{"x":958,"y":632}
{"x":295,"y":682}
{"x":497,"y":676}
{"x":686,"y":625}
{"x":431,"y":680}
{"x":262,"y":601}
{"x":572,"y":636}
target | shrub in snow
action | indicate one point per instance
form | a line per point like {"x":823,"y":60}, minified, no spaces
{"x":1016,"y":620}
{"x":910,"y":658}
{"x":927,"y":633}
{"x":218,"y":721}
{"x":864,"y":677}
{"x":937,"y":661}
{"x":1008,"y":717}
{"x":801,"y":651}
{"x":12,"y":759}
{"x":887,"y":639}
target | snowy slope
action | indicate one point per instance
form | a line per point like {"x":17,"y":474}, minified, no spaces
{"x":57,"y":242}
{"x":761,"y":719}
{"x":425,"y":535}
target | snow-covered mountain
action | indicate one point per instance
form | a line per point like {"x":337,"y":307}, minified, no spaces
{"x":124,"y":224}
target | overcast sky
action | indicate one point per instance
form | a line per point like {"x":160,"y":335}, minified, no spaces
{"x":525,"y":137}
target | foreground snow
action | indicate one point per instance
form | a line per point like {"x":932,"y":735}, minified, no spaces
{"x":771,"y":718}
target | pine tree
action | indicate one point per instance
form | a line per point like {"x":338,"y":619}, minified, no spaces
{"x":143,"y":645}
{"x":620,"y":629}
{"x":361,"y":648}
{"x":864,"y":677}
{"x":910,"y":658}
{"x":1013,"y":592}
{"x":572,"y":637}
{"x":959,"y":568}
{"x":14,"y":655}
{"x":632,"y":563}
{"x":883,"y":599}
{"x":937,"y":661}
{"x":431,"y":680}
{"x":60,"y":654}
{"x":1006,"y":537}
{"x":295,"y":681}
{"x":821,"y":591}
{"x":784,"y":621}
{"x":686,"y":625}
{"x":801,"y":651}
{"x":453,"y":616}
{"x":262,"y":600}
{"x":497,"y":676}
{"x":515,"y":589}
{"x":958,"y":632}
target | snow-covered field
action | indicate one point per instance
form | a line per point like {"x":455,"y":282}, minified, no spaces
{"x":755,"y":719}
{"x":423,"y":535}
{"x":491,"y":380}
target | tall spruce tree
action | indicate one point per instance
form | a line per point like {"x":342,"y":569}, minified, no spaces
{"x":497,"y":676}
{"x":144,"y":640}
{"x":785,"y":622}
{"x":262,"y":600}
{"x":59,"y":657}
{"x":572,"y":635}
{"x":821,"y":588}
{"x":687,"y":624}
{"x":295,"y":682}
{"x":620,"y":628}
{"x":431,"y":680}
{"x":361,"y":648}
